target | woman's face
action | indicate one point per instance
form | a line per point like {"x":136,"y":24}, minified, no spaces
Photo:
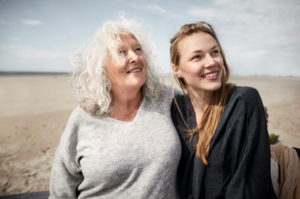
{"x":201,"y":62}
{"x":129,"y":72}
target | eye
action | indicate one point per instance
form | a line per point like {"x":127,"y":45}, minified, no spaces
{"x":215,"y":52}
{"x":122,"y":51}
{"x":196,"y":57}
{"x":139,"y":49}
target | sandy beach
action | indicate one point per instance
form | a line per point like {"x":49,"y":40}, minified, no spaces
{"x":35,"y":108}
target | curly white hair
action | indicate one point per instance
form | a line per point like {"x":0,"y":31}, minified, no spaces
{"x":92,"y":84}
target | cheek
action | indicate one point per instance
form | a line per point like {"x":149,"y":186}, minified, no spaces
{"x":143,"y":61}
{"x":220,"y":61}
{"x":191,"y":69}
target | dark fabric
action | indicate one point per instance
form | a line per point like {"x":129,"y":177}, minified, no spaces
{"x":239,"y":155}
{"x":32,"y":195}
{"x":298,"y":151}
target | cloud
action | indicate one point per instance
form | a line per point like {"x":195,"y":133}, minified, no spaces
{"x":31,"y":22}
{"x":203,"y":12}
{"x":222,"y":14}
{"x":155,"y":8}
{"x":256,"y":32}
{"x":158,"y":10}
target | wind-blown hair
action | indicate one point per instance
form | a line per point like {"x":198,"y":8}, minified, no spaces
{"x":92,"y":84}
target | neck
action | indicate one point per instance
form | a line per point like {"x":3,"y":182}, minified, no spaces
{"x":125,"y":104}
{"x":200,"y":101}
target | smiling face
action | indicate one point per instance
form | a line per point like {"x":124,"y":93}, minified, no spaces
{"x":129,"y":72}
{"x":200,"y":63}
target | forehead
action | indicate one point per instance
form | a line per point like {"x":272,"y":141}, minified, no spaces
{"x":127,"y":39}
{"x":200,"y":41}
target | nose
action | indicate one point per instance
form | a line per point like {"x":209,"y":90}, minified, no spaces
{"x":132,"y":56}
{"x":209,"y":61}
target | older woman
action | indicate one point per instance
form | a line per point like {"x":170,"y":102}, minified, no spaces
{"x":120,"y":142}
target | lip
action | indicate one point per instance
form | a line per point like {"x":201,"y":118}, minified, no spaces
{"x":211,"y":75}
{"x":139,"y":69}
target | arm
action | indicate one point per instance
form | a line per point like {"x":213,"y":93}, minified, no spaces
{"x":65,"y":173}
{"x":251,"y":176}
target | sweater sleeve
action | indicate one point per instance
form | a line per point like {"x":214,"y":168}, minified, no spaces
{"x":65,"y":173}
{"x":251,"y":174}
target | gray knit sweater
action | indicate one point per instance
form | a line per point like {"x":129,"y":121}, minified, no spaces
{"x":100,"y":157}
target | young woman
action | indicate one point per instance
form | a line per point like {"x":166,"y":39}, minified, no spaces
{"x":222,"y":127}
{"x":120,"y":142}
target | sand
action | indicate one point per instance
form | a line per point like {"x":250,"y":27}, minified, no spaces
{"x":34,"y":110}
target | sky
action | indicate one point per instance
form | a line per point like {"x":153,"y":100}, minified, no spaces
{"x":259,"y":37}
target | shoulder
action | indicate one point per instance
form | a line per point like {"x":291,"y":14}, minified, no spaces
{"x":180,"y":107}
{"x":243,"y":91}
{"x":76,"y":119}
{"x":76,"y":114}
{"x":243,"y":101}
{"x":179,"y":97}
{"x":243,"y":94}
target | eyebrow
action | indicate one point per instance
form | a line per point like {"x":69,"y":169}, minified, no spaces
{"x":200,"y":51}
{"x":133,"y":45}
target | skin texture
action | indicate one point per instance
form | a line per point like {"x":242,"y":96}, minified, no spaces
{"x":127,"y":76}
{"x":201,"y":67}
{"x":199,"y":56}
{"x":131,"y":56}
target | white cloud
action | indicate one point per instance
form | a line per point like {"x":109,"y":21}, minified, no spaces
{"x":263,"y":33}
{"x":158,"y":10}
{"x":155,"y":8}
{"x":203,"y":12}
{"x":222,"y":14}
{"x":31,"y":22}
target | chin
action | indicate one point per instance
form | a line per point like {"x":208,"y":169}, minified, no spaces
{"x":138,"y":83}
{"x":215,"y":87}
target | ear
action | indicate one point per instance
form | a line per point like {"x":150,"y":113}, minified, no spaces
{"x":176,"y":70}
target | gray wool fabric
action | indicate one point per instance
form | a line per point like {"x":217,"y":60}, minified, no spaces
{"x":100,"y":157}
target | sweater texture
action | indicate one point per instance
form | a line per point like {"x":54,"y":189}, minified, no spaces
{"x":101,"y":157}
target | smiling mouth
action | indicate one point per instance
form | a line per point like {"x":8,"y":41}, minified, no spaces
{"x":135,"y":70}
{"x":211,"y":75}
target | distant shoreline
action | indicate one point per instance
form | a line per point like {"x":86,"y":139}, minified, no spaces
{"x":164,"y":75}
{"x":32,"y":73}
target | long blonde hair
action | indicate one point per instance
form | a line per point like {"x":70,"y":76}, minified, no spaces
{"x":211,"y":117}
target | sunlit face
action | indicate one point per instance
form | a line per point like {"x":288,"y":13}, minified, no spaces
{"x":129,"y":72}
{"x":200,"y":63}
